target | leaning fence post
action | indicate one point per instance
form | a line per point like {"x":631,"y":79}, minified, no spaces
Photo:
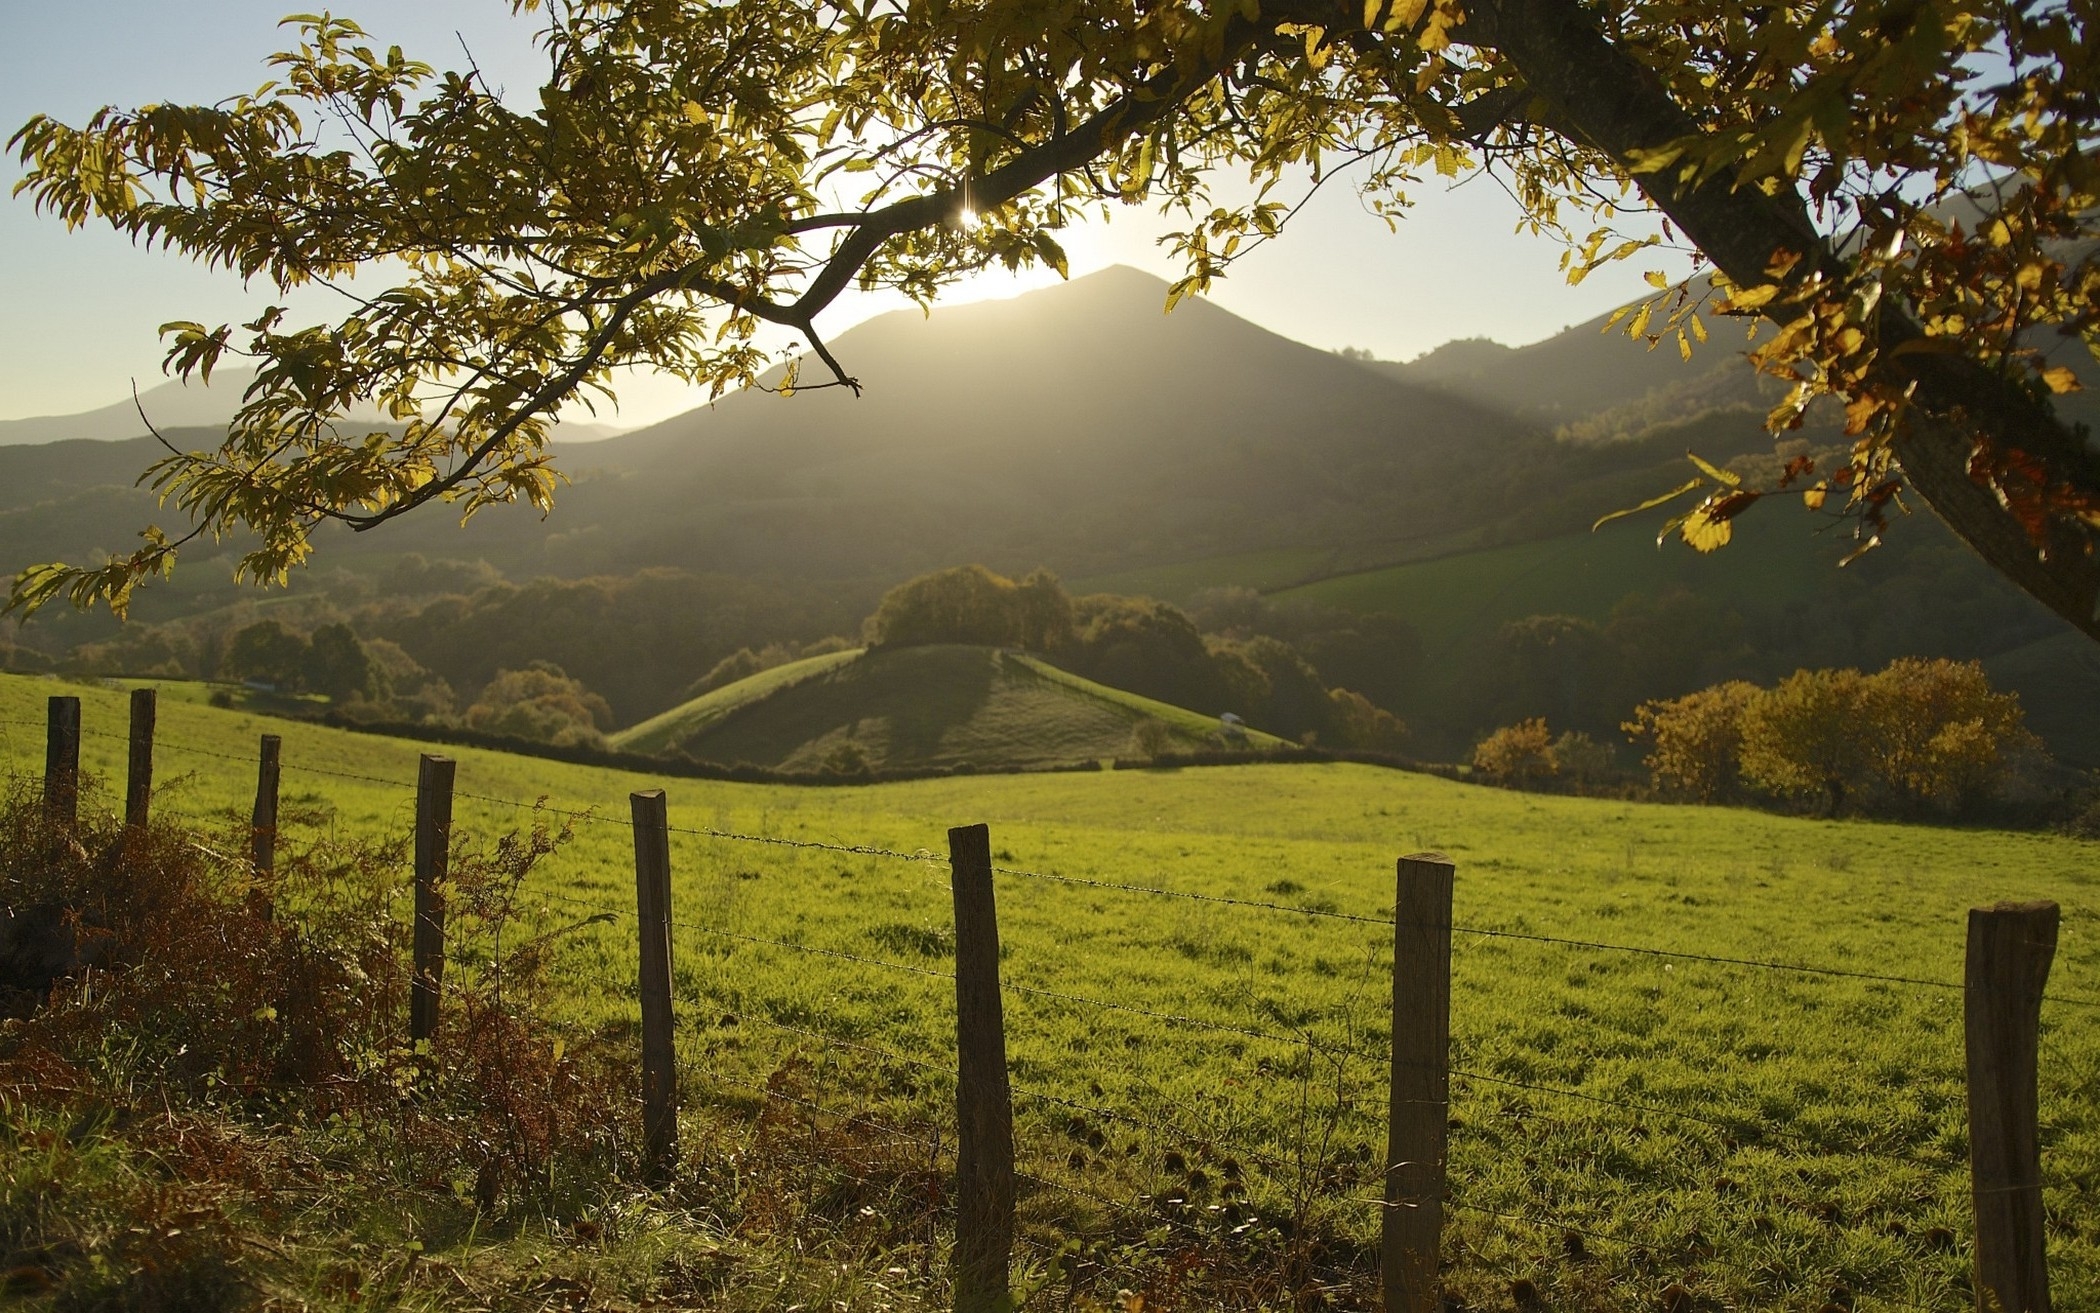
{"x":62,"y":762}
{"x":1410,"y":1240}
{"x":262,"y":825}
{"x":652,"y":901}
{"x":433,"y":845}
{"x":138,"y":782}
{"x":2010,"y":948}
{"x":984,"y":1115}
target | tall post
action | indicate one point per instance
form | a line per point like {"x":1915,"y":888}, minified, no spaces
{"x":433,"y":850}
{"x":984,"y":1115}
{"x":1410,"y":1242}
{"x":138,"y":780}
{"x":262,"y":825}
{"x":62,"y":762}
{"x":652,"y":902}
{"x":2010,"y":948}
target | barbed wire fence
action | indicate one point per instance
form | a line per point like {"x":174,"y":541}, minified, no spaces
{"x":1095,"y":1185}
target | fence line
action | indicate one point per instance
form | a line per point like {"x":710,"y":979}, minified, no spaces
{"x":1734,"y":1126}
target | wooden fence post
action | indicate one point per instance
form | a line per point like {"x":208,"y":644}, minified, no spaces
{"x":138,"y":782}
{"x":2010,"y":948}
{"x":433,"y":851}
{"x":984,"y":1115}
{"x":652,"y":902}
{"x":62,"y":762}
{"x":262,"y":825}
{"x":1410,"y":1242}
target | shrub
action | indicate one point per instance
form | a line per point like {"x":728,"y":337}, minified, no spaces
{"x":1151,"y":738}
{"x":1517,"y":754}
{"x":178,"y":978}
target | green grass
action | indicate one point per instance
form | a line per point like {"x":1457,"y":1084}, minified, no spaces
{"x":1744,"y":1211}
{"x":941,"y":705}
{"x":1457,"y":598}
{"x":669,"y":729}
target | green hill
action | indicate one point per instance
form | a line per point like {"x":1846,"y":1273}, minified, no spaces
{"x":907,"y":707}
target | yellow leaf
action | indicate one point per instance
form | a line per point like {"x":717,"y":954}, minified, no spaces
{"x":1640,"y":322}
{"x":1750,"y":298}
{"x":1703,"y":532}
{"x":1684,"y":345}
{"x":1371,"y":8}
{"x":1656,"y":278}
{"x":1813,"y":497}
{"x":1715,"y":472}
{"x":1404,"y":15}
{"x":1649,"y":504}
{"x":2060,"y":378}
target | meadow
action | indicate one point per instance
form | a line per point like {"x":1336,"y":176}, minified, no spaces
{"x":1625,"y":1121}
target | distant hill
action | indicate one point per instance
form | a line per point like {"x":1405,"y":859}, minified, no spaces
{"x":898,"y":708}
{"x":176,"y":404}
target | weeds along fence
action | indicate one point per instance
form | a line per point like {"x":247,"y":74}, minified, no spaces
{"x":1097,"y":1139}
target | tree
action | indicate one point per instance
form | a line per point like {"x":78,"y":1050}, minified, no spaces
{"x":337,"y":666}
{"x":1695,"y":742}
{"x":1904,"y":190}
{"x":268,"y":653}
{"x":1519,"y":754}
{"x":1804,"y":739}
{"x":1941,"y":735}
{"x":541,"y":703}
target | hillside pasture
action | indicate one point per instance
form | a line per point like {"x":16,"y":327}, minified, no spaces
{"x":941,"y":705}
{"x":1771,"y":1139}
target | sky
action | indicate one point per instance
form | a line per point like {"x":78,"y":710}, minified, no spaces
{"x":80,"y":310}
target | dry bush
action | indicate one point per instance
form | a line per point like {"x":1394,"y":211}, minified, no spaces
{"x":186,"y":981}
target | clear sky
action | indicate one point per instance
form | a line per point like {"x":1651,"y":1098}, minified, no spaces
{"x":79,"y":311}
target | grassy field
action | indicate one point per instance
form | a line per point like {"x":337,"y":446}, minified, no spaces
{"x":1456,"y":598}
{"x":940,"y":705}
{"x":1772,"y":1140}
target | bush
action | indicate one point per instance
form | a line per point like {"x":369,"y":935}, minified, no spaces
{"x":173,"y":977}
{"x":1518,"y":754}
{"x":1151,"y":738}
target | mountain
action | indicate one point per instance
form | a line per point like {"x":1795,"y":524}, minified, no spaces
{"x":1075,"y":427}
{"x":177,"y":404}
{"x":902,"y":708}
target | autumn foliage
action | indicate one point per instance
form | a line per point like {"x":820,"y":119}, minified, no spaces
{"x":1518,"y":754}
{"x":1920,"y":735}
